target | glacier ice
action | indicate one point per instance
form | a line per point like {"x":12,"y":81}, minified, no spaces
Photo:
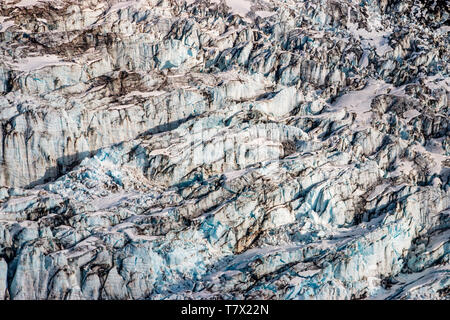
{"x":234,"y":149}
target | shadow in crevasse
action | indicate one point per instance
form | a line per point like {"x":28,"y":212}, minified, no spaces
{"x":169,"y":126}
{"x":69,"y":162}
{"x":64,"y":164}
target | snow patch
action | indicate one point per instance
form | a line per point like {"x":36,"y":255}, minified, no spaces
{"x":4,"y":25}
{"x":408,"y":115}
{"x":240,"y":7}
{"x":39,"y":62}
{"x":359,"y":102}
{"x":155,"y":93}
{"x":265,"y":14}
{"x":30,"y":3}
{"x":123,"y":5}
{"x":377,"y":39}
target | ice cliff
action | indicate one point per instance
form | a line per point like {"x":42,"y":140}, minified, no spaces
{"x":224,"y":149}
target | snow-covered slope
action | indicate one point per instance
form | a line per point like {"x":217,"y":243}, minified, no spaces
{"x":251,"y":149}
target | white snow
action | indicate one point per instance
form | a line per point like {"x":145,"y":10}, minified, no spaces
{"x":444,"y":29}
{"x":364,"y":61}
{"x":403,"y":167}
{"x":377,"y":191}
{"x":407,"y":282}
{"x":27,"y":3}
{"x":34,"y":63}
{"x":155,"y":93}
{"x":376,"y":39}
{"x":265,"y":14}
{"x":2,"y":19}
{"x":136,"y":237}
{"x":30,"y":3}
{"x":240,"y":7}
{"x":360,"y":101}
{"x":438,"y":82}
{"x":4,"y":25}
{"x":436,"y":156}
{"x":231,"y":175}
{"x":123,"y":5}
{"x":112,"y":200}
{"x":408,"y":115}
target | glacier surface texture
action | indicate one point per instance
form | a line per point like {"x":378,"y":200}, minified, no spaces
{"x":224,"y":149}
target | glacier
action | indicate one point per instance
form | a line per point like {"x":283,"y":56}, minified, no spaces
{"x":224,"y":149}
